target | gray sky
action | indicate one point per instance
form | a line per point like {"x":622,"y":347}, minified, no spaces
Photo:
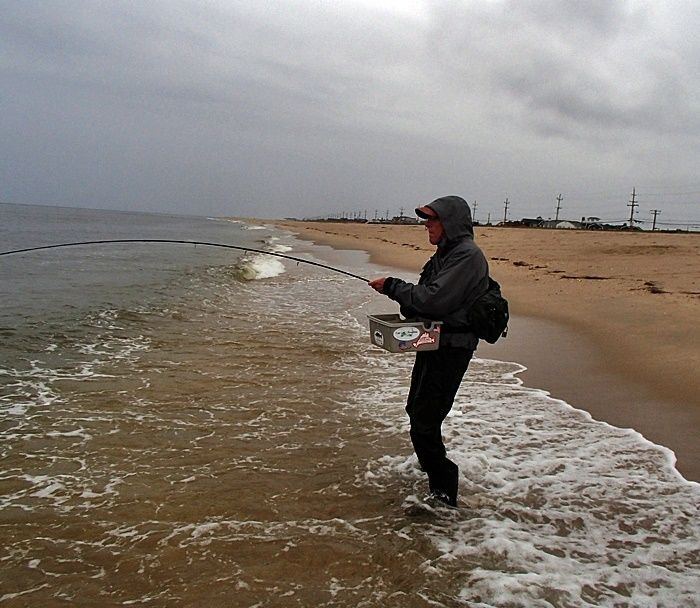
{"x":302,"y":107}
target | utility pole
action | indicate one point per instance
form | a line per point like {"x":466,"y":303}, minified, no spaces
{"x":375,"y":213}
{"x":632,"y":204}
{"x":474,"y":212}
{"x":559,"y":200}
{"x":655,"y":212}
{"x":488,"y":219}
{"x":505,"y":211}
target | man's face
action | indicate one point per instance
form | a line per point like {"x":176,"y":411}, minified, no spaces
{"x":435,"y":229}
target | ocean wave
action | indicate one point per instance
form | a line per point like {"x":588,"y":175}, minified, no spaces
{"x":252,"y":267}
{"x":274,"y":246}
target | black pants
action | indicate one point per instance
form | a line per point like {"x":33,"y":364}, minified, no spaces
{"x":435,"y":379}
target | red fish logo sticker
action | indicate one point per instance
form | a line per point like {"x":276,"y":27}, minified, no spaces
{"x":425,"y":338}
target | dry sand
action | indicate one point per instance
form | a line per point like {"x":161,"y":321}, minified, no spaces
{"x":607,"y":321}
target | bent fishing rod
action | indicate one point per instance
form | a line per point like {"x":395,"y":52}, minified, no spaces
{"x":171,"y":241}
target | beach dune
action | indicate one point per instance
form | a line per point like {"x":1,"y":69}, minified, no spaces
{"x":606,"y":320}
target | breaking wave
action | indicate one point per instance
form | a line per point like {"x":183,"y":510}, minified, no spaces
{"x":252,"y":267}
{"x":255,"y":266}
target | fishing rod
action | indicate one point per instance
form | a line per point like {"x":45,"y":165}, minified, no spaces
{"x":208,"y":244}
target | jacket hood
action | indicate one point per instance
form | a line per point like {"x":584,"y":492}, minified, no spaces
{"x":455,"y":216}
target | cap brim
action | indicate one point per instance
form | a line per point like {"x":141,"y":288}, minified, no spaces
{"x":426,"y":213}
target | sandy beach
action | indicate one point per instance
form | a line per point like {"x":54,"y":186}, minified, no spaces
{"x":607,"y":321}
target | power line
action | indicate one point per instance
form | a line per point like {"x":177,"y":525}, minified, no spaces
{"x":691,"y":193}
{"x":693,"y":224}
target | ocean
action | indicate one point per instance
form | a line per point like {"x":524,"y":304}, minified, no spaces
{"x":190,"y":426}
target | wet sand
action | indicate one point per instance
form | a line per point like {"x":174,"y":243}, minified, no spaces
{"x":606,"y":321}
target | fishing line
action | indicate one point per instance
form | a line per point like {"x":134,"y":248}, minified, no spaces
{"x":208,"y":244}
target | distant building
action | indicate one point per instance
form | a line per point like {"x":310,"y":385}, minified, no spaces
{"x":532,"y":223}
{"x":397,"y":219}
{"x":404,"y":219}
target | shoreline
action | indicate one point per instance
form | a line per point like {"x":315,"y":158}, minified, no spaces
{"x":610,"y":368}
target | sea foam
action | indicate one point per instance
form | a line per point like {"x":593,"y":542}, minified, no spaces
{"x":557,"y":508}
{"x":256,"y":266}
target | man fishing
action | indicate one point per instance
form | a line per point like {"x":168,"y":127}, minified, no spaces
{"x":450,"y":282}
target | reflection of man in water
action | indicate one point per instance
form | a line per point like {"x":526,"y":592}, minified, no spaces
{"x":449,"y":283}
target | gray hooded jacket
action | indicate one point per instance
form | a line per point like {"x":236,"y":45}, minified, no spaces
{"x":452,"y":279}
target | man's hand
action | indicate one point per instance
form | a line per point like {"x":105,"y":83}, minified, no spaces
{"x":378,"y":284}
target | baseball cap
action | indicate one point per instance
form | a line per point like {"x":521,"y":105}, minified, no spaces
{"x":425,"y":212}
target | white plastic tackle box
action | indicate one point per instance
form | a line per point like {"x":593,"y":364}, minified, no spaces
{"x":398,"y":335}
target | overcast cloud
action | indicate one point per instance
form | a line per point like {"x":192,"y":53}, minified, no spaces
{"x":307,"y":107}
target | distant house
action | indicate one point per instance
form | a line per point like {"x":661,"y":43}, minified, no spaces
{"x":538,"y":222}
{"x":561,"y":224}
{"x":592,"y":223}
{"x":532,"y":223}
{"x":397,"y":219}
{"x":404,"y":219}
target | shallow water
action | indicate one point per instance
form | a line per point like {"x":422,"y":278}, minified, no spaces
{"x":211,"y":437}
